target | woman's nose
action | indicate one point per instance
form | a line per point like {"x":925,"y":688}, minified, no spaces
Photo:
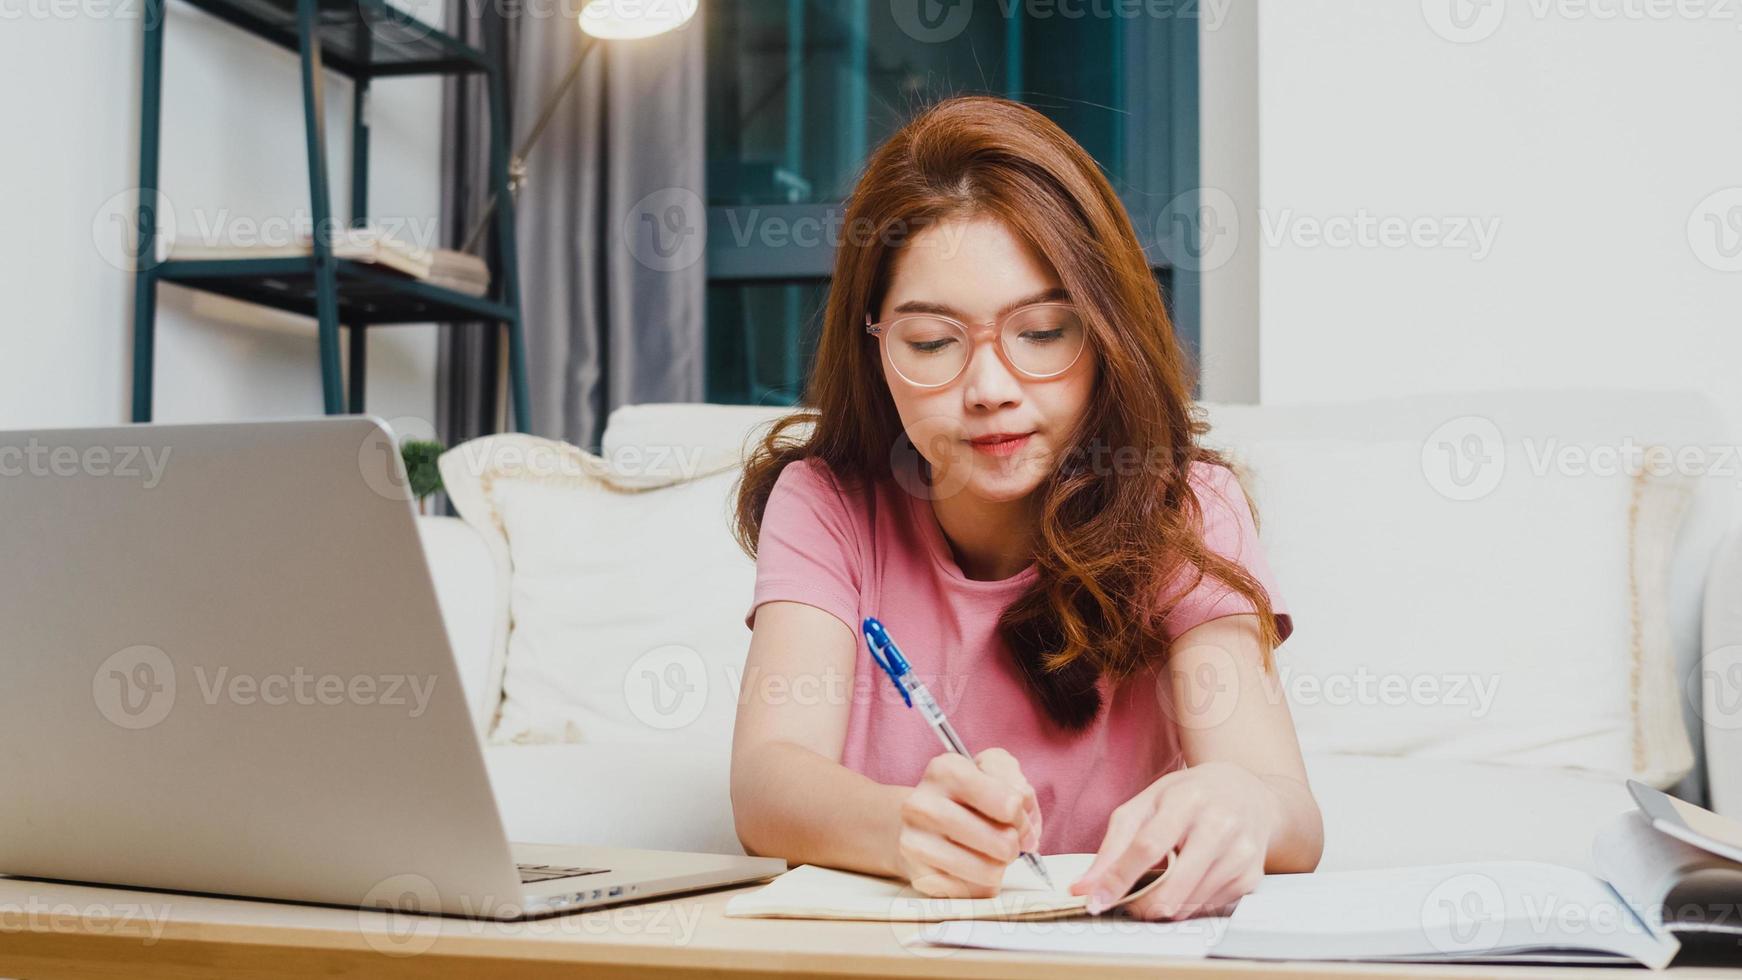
{"x":987,"y":380}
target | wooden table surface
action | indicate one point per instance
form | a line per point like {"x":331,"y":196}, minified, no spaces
{"x":52,"y":930}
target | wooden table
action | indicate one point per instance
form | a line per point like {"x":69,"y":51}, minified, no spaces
{"x":51,"y":930}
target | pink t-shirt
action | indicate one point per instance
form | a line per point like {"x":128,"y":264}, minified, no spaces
{"x":827,"y":546}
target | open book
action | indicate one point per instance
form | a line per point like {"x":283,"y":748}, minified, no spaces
{"x":812,"y":892}
{"x":1678,"y":863}
{"x":1657,"y":876}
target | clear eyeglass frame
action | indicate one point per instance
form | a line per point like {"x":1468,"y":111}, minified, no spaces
{"x":881,"y":331}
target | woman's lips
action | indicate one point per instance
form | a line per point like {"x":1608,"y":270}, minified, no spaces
{"x":1004,"y":447}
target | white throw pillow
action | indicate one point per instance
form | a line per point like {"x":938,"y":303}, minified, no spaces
{"x":1521,"y":623}
{"x":627,"y":594}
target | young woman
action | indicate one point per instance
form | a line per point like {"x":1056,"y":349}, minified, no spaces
{"x":1003,"y":465}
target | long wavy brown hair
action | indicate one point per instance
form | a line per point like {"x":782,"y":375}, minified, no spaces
{"x":1107,"y":544}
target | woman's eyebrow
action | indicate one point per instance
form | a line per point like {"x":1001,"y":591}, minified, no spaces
{"x":1057,"y":294}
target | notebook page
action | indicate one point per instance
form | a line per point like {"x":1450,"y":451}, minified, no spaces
{"x":1106,"y":935}
{"x":813,"y":892}
{"x":1450,"y":911}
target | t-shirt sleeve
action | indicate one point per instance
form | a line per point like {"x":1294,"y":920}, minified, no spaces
{"x":1229,"y":531}
{"x":808,"y":548}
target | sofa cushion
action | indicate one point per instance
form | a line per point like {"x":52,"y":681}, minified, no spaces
{"x":466,"y":582}
{"x":1492,"y":559}
{"x":686,"y":431}
{"x":627,"y":591}
{"x":1506,"y":628}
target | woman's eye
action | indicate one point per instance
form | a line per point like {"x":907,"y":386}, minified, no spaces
{"x":1043,"y":336}
{"x":929,"y":346}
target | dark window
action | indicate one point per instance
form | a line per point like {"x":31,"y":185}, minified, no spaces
{"x":799,"y":91}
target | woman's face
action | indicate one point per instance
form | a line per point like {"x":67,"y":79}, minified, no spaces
{"x":972,"y":269}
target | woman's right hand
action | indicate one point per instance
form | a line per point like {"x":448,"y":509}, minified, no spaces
{"x":965,"y":823}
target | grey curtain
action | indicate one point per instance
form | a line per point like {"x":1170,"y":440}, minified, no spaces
{"x":466,"y":353}
{"x":610,"y":223}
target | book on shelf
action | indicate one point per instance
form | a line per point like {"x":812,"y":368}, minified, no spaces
{"x":458,"y":271}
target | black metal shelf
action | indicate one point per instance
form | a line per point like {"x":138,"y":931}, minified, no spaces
{"x":367,"y":295}
{"x":364,"y":39}
{"x":358,"y":38}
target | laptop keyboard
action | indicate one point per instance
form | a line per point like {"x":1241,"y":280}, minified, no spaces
{"x":533,"y":873}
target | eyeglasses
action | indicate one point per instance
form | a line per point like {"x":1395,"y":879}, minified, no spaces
{"x":928,"y":350}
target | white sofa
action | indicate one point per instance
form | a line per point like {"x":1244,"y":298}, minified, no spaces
{"x":1385,"y":802}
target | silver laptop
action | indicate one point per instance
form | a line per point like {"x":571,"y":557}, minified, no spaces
{"x":223,"y":670}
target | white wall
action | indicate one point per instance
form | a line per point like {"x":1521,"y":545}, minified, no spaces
{"x":1584,"y":142}
{"x":232,"y":152}
{"x":1228,"y":157}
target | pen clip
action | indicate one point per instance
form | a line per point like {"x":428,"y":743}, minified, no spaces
{"x":887,"y":655}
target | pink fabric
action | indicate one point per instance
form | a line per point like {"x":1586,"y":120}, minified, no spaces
{"x":824,"y":546}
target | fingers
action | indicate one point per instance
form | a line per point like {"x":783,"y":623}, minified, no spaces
{"x":966,"y":822}
{"x":1238,"y":869}
{"x":1222,"y":888}
{"x":1218,"y":862}
{"x":1139,"y":837}
{"x":947,"y":870}
{"x":1001,"y":765}
{"x":946,"y":818}
{"x":997,"y":799}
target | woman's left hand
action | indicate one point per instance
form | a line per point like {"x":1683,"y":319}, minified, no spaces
{"x":1221,"y":818}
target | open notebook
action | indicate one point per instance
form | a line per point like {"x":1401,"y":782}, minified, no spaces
{"x":1651,"y":884}
{"x":1656,"y":880}
{"x":812,"y":892}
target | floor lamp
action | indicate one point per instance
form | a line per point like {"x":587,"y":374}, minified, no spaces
{"x":610,"y":20}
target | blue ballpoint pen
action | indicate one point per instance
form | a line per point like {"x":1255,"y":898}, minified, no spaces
{"x":888,"y":656}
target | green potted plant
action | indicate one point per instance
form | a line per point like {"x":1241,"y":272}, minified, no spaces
{"x":420,"y":469}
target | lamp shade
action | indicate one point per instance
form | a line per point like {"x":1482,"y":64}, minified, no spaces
{"x":621,"y":19}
